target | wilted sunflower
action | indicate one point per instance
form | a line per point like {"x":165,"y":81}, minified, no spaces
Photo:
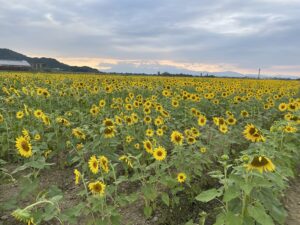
{"x":181,"y":177}
{"x":261,"y":163}
{"x":93,"y":164}
{"x":46,"y":120}
{"x":24,"y":147}
{"x":104,"y":163}
{"x":77,"y":176}
{"x":159,"y":153}
{"x":177,"y":138}
{"x":97,"y":187}
{"x":253,"y":134}
{"x":26,"y":134}
{"x":148,"y":146}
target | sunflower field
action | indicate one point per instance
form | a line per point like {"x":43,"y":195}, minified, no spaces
{"x":109,"y":150}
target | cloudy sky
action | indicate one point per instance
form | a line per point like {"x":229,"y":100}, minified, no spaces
{"x":158,"y":35}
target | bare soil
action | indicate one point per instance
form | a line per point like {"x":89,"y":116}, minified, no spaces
{"x":292,"y":201}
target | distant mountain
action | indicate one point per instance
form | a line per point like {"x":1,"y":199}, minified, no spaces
{"x":48,"y":64}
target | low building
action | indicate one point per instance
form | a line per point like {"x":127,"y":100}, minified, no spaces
{"x":21,"y":65}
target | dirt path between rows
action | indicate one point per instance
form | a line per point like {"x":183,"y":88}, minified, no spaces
{"x":292,"y":201}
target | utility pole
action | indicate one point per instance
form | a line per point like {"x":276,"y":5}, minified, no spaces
{"x":258,"y":76}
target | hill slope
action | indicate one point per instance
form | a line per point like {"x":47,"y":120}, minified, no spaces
{"x":50,"y":64}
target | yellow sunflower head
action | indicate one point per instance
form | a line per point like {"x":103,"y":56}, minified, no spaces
{"x":261,"y":163}
{"x":159,"y":153}
{"x":181,"y":177}
{"x":177,"y":138}
{"x":93,"y":164}
{"x":24,"y":147}
{"x":97,"y":188}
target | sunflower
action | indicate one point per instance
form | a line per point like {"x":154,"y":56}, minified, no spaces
{"x":78,"y":133}
{"x":128,"y":120}
{"x":26,"y":134}
{"x":103,"y":161}
{"x":94,"y":111}
{"x":129,"y":139}
{"x":261,"y":163}
{"x":191,"y":140}
{"x":177,"y":138}
{"x":181,"y":177}
{"x":1,"y":118}
{"x":203,"y":149}
{"x":109,"y":132}
{"x":159,"y":153}
{"x":231,"y":120}
{"x":253,"y":134}
{"x":148,"y":146}
{"x":160,"y":132}
{"x":282,"y":107}
{"x":46,"y":120}
{"x":24,"y":147}
{"x":20,"y":115}
{"x":118,"y":120}
{"x":223,"y":128}
{"x":79,"y":146}
{"x":93,"y":164}
{"x":292,"y":106}
{"x":77,"y":176}
{"x":108,"y":122}
{"x":159,"y":121}
{"x":175,"y":103}
{"x":38,"y":113}
{"x":102,"y":103}
{"x":202,"y":120}
{"x":37,"y":137}
{"x":149,"y":132}
{"x":244,"y":113}
{"x":97,"y":187}
{"x":289,"y":129}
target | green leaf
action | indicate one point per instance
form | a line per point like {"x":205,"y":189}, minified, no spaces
{"x":208,"y":195}
{"x":231,"y":219}
{"x":190,"y":222}
{"x":258,"y":213}
{"x":165,"y":198}
{"x":149,"y":192}
{"x":231,"y":193}
{"x":147,"y":211}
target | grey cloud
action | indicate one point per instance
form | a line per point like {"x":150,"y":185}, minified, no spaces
{"x":244,"y":33}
